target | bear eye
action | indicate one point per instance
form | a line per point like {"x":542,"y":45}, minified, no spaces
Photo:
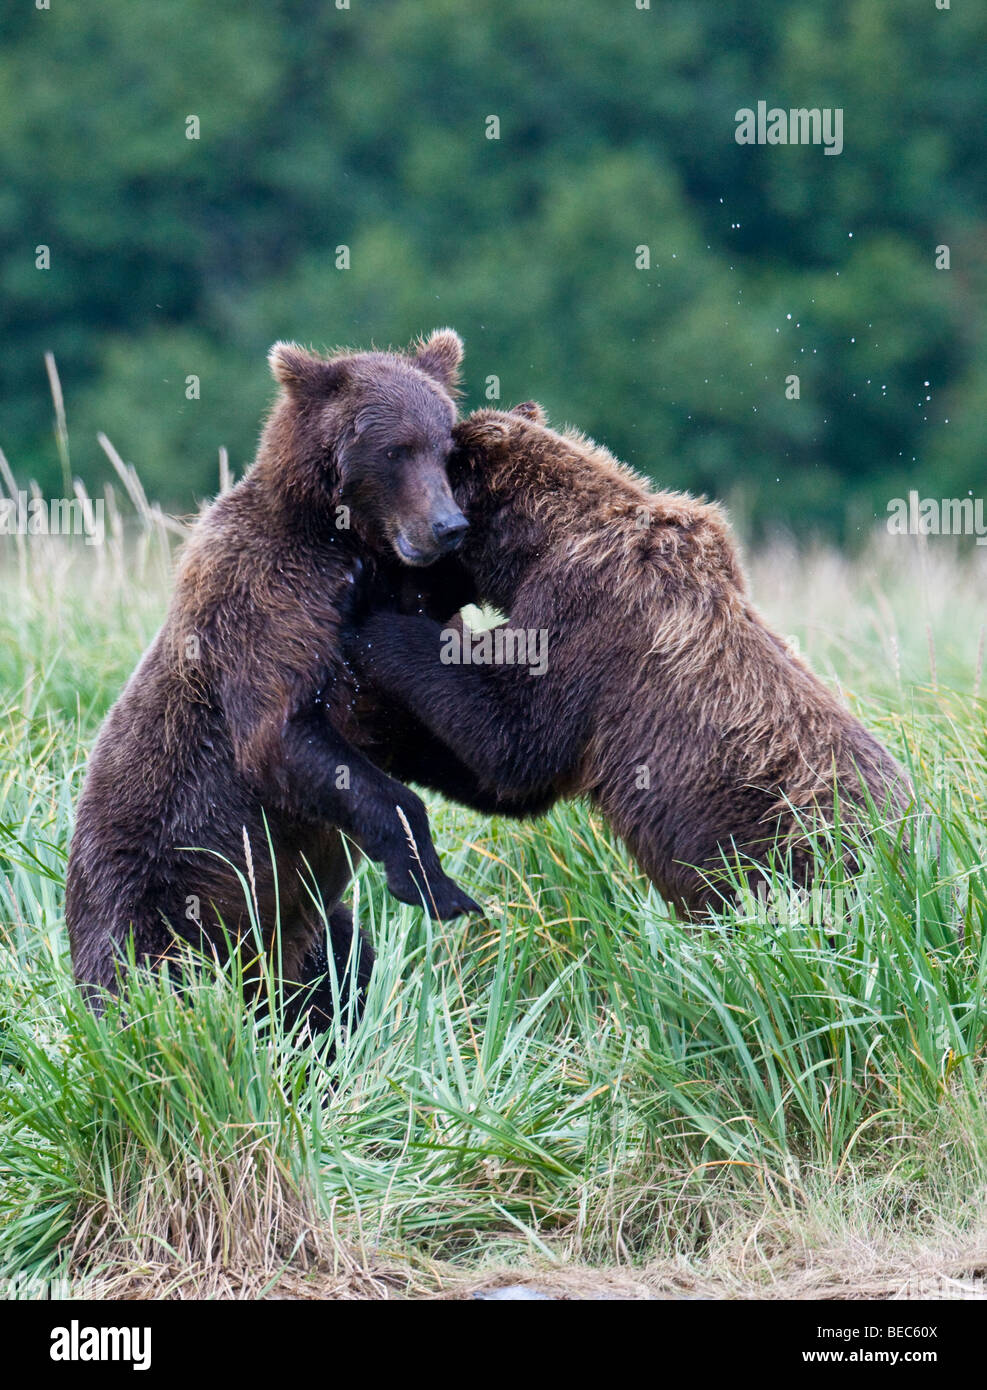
{"x":400,"y":451}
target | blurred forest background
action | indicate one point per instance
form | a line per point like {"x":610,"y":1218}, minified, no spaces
{"x":366,"y":127}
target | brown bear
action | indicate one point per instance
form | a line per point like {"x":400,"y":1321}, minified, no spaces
{"x":663,"y":696}
{"x":240,"y":725}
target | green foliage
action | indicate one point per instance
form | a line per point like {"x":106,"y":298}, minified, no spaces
{"x":578,"y":1075}
{"x":365,"y":127}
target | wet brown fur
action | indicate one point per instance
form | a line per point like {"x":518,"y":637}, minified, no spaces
{"x":242,"y":712}
{"x":657,"y":660}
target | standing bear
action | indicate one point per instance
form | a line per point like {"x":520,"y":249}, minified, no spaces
{"x":241,"y":723}
{"x":662,"y":694}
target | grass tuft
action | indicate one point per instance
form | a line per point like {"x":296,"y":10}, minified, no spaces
{"x":787,"y":1100}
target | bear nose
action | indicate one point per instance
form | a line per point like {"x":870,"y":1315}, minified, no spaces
{"x":450,"y":529}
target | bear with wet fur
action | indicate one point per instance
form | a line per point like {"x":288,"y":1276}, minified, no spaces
{"x":664,"y":697}
{"x":235,"y":746}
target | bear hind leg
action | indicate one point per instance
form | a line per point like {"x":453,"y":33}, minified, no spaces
{"x":314,"y":1000}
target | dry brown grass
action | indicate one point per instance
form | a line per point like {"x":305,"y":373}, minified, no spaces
{"x":772,"y":1259}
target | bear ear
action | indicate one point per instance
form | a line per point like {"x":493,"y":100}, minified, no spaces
{"x":484,"y":429}
{"x":303,"y":373}
{"x":440,"y":356}
{"x":531,"y":410}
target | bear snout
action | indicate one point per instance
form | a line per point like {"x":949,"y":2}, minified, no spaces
{"x":449,"y":530}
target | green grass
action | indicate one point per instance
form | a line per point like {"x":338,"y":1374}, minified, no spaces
{"x":771,"y":1103}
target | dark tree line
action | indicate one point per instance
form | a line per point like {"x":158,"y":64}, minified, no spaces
{"x":614,"y":253}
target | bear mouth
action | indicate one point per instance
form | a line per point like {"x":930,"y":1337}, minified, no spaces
{"x":411,"y":555}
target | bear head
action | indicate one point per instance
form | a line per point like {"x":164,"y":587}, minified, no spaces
{"x":487,"y":437}
{"x":372,"y":432}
